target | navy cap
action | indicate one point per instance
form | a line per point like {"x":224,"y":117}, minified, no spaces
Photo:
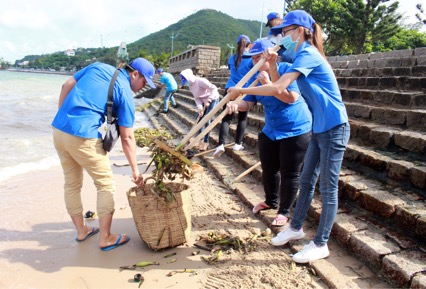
{"x":145,"y":68}
{"x":259,"y":46}
{"x":245,"y":37}
{"x":160,"y":70}
{"x":271,"y":16}
{"x":295,"y":17}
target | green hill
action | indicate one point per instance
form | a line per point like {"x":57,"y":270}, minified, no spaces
{"x":205,"y":27}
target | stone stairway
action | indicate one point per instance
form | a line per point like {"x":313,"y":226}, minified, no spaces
{"x":379,"y":236}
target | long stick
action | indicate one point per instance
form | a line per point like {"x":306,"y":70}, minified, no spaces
{"x":212,"y":150}
{"x":215,"y":121}
{"x":224,"y":101}
{"x":173,"y":152}
{"x":249,"y":170}
{"x":230,"y":183}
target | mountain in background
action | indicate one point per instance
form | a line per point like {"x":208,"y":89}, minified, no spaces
{"x":205,"y":27}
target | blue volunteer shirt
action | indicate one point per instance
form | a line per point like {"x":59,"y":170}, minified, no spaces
{"x":169,"y":81}
{"x":283,"y":120}
{"x":319,"y":87}
{"x":84,"y":109}
{"x":237,"y":74}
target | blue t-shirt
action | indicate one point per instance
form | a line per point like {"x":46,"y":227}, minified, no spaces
{"x":319,"y":87}
{"x":237,"y":74}
{"x":283,"y":120}
{"x":84,"y":109}
{"x":169,"y":81}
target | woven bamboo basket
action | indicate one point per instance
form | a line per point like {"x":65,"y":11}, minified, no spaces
{"x":161,"y":224}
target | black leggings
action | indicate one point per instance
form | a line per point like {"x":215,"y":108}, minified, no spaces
{"x":226,"y":122}
{"x":281,"y":165}
{"x":241,"y":127}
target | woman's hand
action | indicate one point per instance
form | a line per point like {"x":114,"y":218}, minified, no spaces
{"x":234,"y":92}
{"x":200,"y":112}
{"x":270,"y":56}
{"x":137,"y":179}
{"x":232,"y":107}
{"x":263,"y":77}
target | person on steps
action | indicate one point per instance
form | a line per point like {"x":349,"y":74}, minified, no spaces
{"x":206,"y":97}
{"x":238,"y":67}
{"x":283,"y":140}
{"x":167,"y":80}
{"x":302,"y":38}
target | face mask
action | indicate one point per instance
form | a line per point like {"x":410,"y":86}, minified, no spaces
{"x":288,"y":43}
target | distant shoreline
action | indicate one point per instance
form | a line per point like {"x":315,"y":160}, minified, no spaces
{"x":40,"y":71}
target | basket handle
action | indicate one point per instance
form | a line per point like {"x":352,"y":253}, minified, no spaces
{"x":142,"y":187}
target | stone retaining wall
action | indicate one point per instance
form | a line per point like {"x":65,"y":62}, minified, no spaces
{"x":201,"y":59}
{"x":396,"y":58}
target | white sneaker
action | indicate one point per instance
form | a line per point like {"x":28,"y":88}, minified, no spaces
{"x":237,"y":147}
{"x":311,"y":252}
{"x":219,"y":151}
{"x":287,"y":235}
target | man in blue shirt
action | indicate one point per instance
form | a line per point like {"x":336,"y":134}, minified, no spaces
{"x":78,"y":142}
{"x":169,"y":82}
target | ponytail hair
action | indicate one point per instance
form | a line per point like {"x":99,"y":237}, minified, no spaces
{"x":241,"y":47}
{"x":315,"y":37}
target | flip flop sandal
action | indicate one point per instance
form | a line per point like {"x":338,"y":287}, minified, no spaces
{"x":259,"y":207}
{"x":117,"y":244}
{"x":93,"y":232}
{"x":280,"y":220}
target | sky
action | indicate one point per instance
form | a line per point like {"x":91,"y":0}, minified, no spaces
{"x":30,"y":27}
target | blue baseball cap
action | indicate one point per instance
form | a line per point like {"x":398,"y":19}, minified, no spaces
{"x":295,"y":17}
{"x":145,"y":68}
{"x":259,"y":46}
{"x":271,"y":16}
{"x":245,"y":37}
{"x":160,"y":70}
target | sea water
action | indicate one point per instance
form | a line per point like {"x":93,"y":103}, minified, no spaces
{"x":28,"y":104}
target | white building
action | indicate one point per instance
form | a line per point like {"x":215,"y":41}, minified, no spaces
{"x":70,"y":52}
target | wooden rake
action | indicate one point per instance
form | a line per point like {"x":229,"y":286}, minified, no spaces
{"x":229,"y":182}
{"x":210,"y":115}
{"x":224,"y":101}
{"x":215,"y":121}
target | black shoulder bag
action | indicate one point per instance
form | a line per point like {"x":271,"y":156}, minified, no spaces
{"x":113,"y":132}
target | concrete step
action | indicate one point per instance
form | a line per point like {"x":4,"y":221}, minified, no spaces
{"x":354,"y":233}
{"x":388,"y":137}
{"x":406,"y":118}
{"x":402,"y":70}
{"x":186,"y":96}
{"x":389,"y":97}
{"x":391,"y":168}
{"x":386,"y":82}
{"x":384,"y":205}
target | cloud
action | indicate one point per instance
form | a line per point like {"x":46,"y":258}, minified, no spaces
{"x":47,"y":26}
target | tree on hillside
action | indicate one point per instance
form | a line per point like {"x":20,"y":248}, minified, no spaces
{"x":161,"y":60}
{"x":352,"y":26}
{"x":405,"y":39}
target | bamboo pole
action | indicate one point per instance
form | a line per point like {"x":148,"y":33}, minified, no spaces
{"x":215,"y":121}
{"x":224,"y":101}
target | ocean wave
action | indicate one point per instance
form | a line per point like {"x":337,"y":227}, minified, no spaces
{"x":23,"y":168}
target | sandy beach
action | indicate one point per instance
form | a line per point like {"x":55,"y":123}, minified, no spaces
{"x":38,"y":247}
